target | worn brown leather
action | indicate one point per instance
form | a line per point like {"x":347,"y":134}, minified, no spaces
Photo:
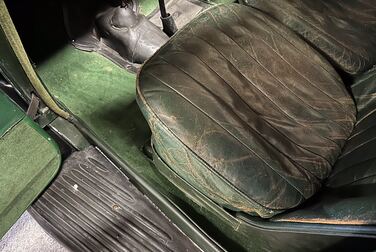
{"x":245,"y":111}
{"x":349,"y":195}
{"x":343,"y":30}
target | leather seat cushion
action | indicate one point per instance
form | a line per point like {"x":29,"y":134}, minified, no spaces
{"x":245,"y":111}
{"x":344,"y":31}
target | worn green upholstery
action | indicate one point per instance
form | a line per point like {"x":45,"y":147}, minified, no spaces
{"x":344,"y":31}
{"x":245,"y":111}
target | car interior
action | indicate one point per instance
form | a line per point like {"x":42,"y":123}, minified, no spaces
{"x":257,"y":118}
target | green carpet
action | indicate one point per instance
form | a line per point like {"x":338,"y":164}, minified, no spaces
{"x":102,"y":95}
{"x":147,"y":7}
{"x":28,"y":162}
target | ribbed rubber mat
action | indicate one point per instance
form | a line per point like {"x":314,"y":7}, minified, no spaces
{"x":92,"y":206}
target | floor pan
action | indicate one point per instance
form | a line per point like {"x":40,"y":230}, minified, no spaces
{"x":92,"y":206}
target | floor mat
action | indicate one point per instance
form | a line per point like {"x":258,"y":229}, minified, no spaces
{"x":92,"y":206}
{"x":29,"y":160}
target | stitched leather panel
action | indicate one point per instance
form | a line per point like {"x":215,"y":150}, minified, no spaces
{"x":357,"y":163}
{"x":245,"y":111}
{"x":349,"y":197}
{"x":344,"y":31}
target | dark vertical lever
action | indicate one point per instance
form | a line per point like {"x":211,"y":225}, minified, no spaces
{"x":169,"y":26}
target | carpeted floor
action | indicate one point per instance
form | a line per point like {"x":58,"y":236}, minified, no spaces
{"x":29,"y":159}
{"x":102,"y":95}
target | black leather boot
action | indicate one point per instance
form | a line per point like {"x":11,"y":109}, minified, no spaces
{"x":130,"y":34}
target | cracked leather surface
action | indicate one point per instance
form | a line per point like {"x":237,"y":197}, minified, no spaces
{"x":349,"y":196}
{"x":344,"y":31}
{"x":245,"y":111}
